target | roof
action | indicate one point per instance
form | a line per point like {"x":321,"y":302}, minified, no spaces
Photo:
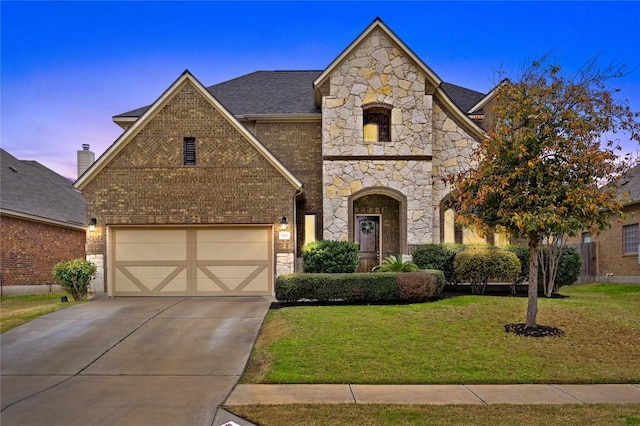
{"x":463,"y":98}
{"x":262,"y":92}
{"x":290,"y":92}
{"x":149,"y":113}
{"x":629,"y":186}
{"x":32,"y":191}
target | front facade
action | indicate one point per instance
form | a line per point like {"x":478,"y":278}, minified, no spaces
{"x":215,"y":191}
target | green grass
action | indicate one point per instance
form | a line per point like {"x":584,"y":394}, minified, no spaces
{"x":17,"y":310}
{"x":352,"y":414}
{"x":458,"y":340}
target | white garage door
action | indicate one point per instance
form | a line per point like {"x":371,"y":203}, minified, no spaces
{"x":191,"y":261}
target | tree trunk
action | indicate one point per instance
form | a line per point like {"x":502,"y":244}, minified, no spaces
{"x":532,"y":306}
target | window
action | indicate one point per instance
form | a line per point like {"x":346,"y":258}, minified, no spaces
{"x":586,"y":237}
{"x":189,"y":151}
{"x":376,"y":122}
{"x":630,"y":239}
{"x":309,"y":228}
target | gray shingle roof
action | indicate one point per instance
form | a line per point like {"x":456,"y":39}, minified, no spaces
{"x":28,"y":187}
{"x":629,"y":186}
{"x":463,"y":98}
{"x":290,"y":92}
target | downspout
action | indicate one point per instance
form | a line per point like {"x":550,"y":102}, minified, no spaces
{"x":298,"y":193}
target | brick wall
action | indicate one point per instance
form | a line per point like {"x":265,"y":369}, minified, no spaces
{"x":610,"y":250}
{"x":147,"y":183}
{"x":29,"y":250}
{"x":299,"y":146}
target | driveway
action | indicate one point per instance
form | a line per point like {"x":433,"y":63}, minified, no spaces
{"x":128,"y":361}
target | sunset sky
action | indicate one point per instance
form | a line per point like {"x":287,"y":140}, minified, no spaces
{"x":68,"y":67}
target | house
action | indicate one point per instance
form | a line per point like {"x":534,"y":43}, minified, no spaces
{"x":215,"y":190}
{"x":42,"y":220}
{"x":615,"y":252}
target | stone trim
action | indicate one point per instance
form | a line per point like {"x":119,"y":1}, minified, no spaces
{"x":377,"y":157}
{"x":388,"y":192}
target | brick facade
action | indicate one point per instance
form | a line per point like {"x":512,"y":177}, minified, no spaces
{"x":146,"y":182}
{"x":611,"y":259}
{"x":29,"y":250}
{"x":299,"y":146}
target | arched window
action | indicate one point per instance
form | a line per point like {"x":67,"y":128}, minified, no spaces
{"x":376,"y":122}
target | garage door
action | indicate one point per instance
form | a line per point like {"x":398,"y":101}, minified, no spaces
{"x":191,"y":261}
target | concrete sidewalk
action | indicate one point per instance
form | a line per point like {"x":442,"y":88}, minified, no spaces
{"x":434,"y":394}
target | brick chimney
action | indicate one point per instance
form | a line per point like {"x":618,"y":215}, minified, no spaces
{"x":85,"y":159}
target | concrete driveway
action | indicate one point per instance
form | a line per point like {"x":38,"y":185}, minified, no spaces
{"x":128,"y":361}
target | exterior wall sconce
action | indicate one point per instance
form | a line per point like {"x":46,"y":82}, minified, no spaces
{"x":283,"y":223}
{"x":92,"y":224}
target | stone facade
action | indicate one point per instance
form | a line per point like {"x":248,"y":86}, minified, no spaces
{"x":23,"y":262}
{"x":426,"y":141}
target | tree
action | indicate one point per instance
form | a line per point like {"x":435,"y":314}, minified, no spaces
{"x":538,"y":173}
{"x":75,"y":276}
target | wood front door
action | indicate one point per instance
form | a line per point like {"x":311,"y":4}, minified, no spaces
{"x":368,"y":236}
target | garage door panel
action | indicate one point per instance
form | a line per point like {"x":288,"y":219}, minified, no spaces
{"x":232,"y":251}
{"x":236,"y":235}
{"x":152,"y":236}
{"x":193,"y":261}
{"x":164,"y":251}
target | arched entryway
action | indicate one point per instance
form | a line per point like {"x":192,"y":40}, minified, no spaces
{"x":378,"y":222}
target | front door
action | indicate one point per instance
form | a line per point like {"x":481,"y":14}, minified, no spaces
{"x":368,"y":236}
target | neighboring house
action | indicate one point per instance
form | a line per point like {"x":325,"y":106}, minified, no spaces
{"x":616,"y":253}
{"x":42,"y":221}
{"x":215,"y":190}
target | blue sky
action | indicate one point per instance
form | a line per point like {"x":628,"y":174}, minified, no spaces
{"x":68,"y":67}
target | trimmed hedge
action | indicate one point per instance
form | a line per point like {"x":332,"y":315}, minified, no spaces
{"x":478,"y":266}
{"x":362,"y":287}
{"x":330,"y":257}
{"x":438,"y":256}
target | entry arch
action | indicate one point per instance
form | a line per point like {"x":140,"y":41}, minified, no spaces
{"x":381,"y":191}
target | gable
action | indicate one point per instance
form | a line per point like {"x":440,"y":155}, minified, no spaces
{"x":178,"y":114}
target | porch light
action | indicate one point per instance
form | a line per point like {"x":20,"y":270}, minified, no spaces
{"x":92,"y":224}
{"x":283,"y":223}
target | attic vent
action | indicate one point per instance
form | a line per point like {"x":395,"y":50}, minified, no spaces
{"x":13,"y":169}
{"x":189,"y":151}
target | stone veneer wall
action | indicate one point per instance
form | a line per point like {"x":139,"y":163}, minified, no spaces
{"x":344,"y":178}
{"x":378,"y":71}
{"x":453,"y":148}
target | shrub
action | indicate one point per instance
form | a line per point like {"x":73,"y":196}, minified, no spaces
{"x":395,"y":264}
{"x":523,"y":255}
{"x":327,"y":256}
{"x":569,"y":267}
{"x":364,"y":287}
{"x":438,"y":256}
{"x":74,"y":276}
{"x":415,"y":286}
{"x":478,"y":266}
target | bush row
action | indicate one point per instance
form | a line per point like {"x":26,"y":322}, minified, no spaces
{"x":363,"y":287}
{"x":483,"y":262}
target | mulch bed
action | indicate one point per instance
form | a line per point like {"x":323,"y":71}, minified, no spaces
{"x":538,"y":331}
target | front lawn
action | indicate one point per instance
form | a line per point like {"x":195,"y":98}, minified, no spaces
{"x":354,"y":414}
{"x":17,"y":310}
{"x":458,"y":340}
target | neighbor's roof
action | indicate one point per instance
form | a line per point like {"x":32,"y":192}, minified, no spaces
{"x":290,"y":92}
{"x":629,"y":186}
{"x":32,"y":191}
